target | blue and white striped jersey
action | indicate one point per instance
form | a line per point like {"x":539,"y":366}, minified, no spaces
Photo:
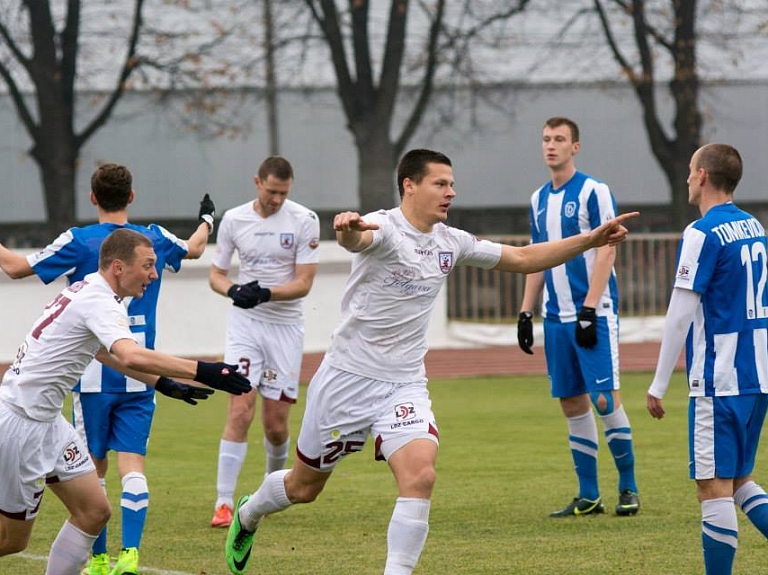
{"x":75,"y":254}
{"x":722,"y":257}
{"x":582,"y":204}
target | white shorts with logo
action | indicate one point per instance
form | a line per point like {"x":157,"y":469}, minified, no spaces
{"x":343,"y":409}
{"x":33,"y":453}
{"x":268,"y":354}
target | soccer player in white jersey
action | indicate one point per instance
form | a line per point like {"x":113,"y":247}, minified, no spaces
{"x":37,"y":445}
{"x":719,"y":308}
{"x":581,"y":325}
{"x":276,"y":240}
{"x":110,"y":410}
{"x":372,"y":380}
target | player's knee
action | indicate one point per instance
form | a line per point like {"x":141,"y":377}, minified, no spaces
{"x":419,"y":483}
{"x":276,"y":433}
{"x":603,"y":402}
{"x":9,"y":546}
{"x":304,"y":493}
{"x":94,"y":517}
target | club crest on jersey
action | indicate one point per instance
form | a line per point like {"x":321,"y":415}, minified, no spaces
{"x":286,"y":241}
{"x":684,"y":273}
{"x":445,"y":259}
{"x":570,"y":209}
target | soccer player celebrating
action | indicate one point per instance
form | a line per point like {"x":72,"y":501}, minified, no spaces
{"x":111,"y":411}
{"x":372,"y":379}
{"x":719,"y":306}
{"x":37,"y":445}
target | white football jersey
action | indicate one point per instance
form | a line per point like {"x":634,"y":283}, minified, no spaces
{"x":269,"y":250}
{"x":83,"y":317}
{"x":390,"y":294}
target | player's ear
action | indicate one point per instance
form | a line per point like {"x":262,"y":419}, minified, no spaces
{"x":576,"y":148}
{"x":92,"y":197}
{"x":131,"y":196}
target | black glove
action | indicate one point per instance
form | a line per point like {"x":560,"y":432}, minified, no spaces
{"x":525,"y":331}
{"x":222,"y":376}
{"x":207,"y":212}
{"x":586,"y":327}
{"x":176,"y":390}
{"x":249,"y":295}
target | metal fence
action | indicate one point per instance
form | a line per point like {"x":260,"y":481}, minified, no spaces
{"x":645,"y":268}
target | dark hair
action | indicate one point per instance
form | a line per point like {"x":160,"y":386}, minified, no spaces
{"x":276,"y":166}
{"x":557,"y":121}
{"x":723,"y":166}
{"x":413,"y":165}
{"x":121,"y":245}
{"x":112,"y":185}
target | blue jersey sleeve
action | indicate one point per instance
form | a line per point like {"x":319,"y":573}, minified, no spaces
{"x":66,"y":256}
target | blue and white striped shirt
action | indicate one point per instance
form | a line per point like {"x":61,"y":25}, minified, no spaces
{"x":722,"y":257}
{"x":75,"y":254}
{"x":581,"y":205}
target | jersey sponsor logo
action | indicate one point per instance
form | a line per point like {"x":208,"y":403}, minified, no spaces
{"x":269,"y":375}
{"x":422,"y":252}
{"x":286,"y":240}
{"x":405,"y":411}
{"x":137,"y":320}
{"x":403,"y":280}
{"x":72,"y":454}
{"x":445,"y":259}
{"x":314,"y":242}
{"x":405,"y":414}
{"x":570,"y":209}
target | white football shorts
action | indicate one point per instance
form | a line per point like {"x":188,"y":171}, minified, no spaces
{"x":268,"y":354}
{"x":33,"y":453}
{"x":343,"y":409}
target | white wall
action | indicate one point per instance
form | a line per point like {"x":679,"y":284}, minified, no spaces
{"x":192,"y":318}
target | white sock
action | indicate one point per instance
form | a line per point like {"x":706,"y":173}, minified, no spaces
{"x":406,"y":535}
{"x":231,"y":459}
{"x":277,"y":455}
{"x":70,"y":551}
{"x":269,"y":498}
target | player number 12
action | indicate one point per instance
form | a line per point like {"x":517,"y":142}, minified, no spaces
{"x":754,"y":297}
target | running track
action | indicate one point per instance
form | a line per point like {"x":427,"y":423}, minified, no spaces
{"x":497,"y":360}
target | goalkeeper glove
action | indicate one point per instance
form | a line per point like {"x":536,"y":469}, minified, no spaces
{"x":207,"y":212}
{"x":586,"y":327}
{"x":525,"y":331}
{"x":182,"y":391}
{"x":223,"y":376}
{"x":249,"y":295}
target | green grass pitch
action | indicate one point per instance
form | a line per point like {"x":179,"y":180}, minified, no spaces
{"x":503,"y":465}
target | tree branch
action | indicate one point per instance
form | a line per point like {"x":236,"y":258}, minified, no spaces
{"x":129,"y":64}
{"x":427,"y":83}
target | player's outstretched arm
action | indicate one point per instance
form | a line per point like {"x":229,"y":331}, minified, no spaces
{"x":164,"y":385}
{"x":352,"y":232}
{"x":14,"y":265}
{"x":217,"y":375}
{"x":545,"y":255}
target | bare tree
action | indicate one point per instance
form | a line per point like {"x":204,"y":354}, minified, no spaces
{"x":673,"y":151}
{"x":47,"y":59}
{"x":369,"y":99}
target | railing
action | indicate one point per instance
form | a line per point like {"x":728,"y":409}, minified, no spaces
{"x":645,"y":268}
